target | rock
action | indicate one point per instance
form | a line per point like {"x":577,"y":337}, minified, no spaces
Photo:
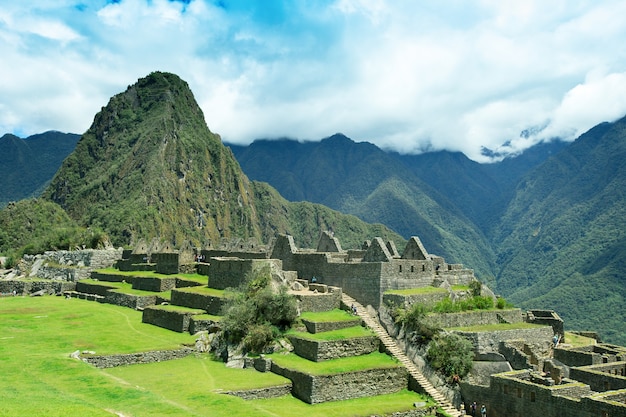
{"x":296,"y":286}
{"x":38,"y":293}
{"x":75,"y":354}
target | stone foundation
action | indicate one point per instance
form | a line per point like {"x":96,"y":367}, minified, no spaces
{"x":327,"y":326}
{"x":210,"y":303}
{"x":315,"y":389}
{"x":322,"y":350}
{"x":262,"y":393}
{"x":136,"y":302}
{"x":25,"y":287}
{"x":176,"y":320}
{"x":474,"y":318}
{"x":111,"y":361}
{"x":154,"y":284}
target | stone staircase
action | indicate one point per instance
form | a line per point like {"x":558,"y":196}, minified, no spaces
{"x":393,"y":348}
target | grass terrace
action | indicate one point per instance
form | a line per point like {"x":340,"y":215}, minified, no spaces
{"x":203,"y":290}
{"x":169,"y":307}
{"x":347,"y":333}
{"x":576,"y":340}
{"x":375,"y":360}
{"x":37,"y":334}
{"x":327,"y":316}
{"x":207,"y":317}
{"x":420,"y":290}
{"x":202,"y":279}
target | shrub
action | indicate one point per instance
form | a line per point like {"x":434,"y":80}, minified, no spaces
{"x":412,"y":319}
{"x":475,"y":288}
{"x":255,"y":314}
{"x":451,"y":354}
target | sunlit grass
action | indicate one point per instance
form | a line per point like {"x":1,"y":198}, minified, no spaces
{"x":374,"y":360}
{"x":40,"y":379}
{"x":349,"y":332}
{"x":420,"y":290}
{"x":328,"y":316}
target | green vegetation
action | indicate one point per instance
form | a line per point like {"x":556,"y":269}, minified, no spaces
{"x":44,"y":380}
{"x":255,"y":315}
{"x":204,"y":290}
{"x":419,"y":290}
{"x":349,"y":332}
{"x":577,"y":340}
{"x":327,"y":316}
{"x":477,"y":302}
{"x":29,"y":164}
{"x":374,"y":360}
{"x":35,"y":226}
{"x":412,"y":318}
{"x":451,"y":354}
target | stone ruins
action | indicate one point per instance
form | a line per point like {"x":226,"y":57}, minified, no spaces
{"x":518,"y":370}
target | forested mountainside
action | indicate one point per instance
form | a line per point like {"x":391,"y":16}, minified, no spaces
{"x":28,"y":164}
{"x":545,"y":225}
{"x":150,"y":167}
{"x":544,"y":228}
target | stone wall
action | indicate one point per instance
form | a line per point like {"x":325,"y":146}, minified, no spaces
{"x":262,"y":393}
{"x":92,"y":258}
{"x":487,"y":342}
{"x":314,"y":389}
{"x":401,"y":300}
{"x":111,"y":361}
{"x":231,"y":272}
{"x":136,"y":302}
{"x":317,"y":302}
{"x":89,"y":288}
{"x":154,"y":284}
{"x":61,"y":273}
{"x":210,"y":303}
{"x":590,"y":355}
{"x":177,"y":321}
{"x":512,"y":395}
{"x":29,"y":286}
{"x":318,"y":327}
{"x":322,"y":350}
{"x":475,"y":318}
{"x":604,"y":377}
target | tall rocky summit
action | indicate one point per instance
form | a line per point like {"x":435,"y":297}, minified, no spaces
{"x":150,"y":166}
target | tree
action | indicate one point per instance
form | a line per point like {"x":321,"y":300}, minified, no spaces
{"x":451,"y":354}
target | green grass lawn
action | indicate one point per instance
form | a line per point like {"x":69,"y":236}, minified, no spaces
{"x":40,"y":379}
{"x":420,"y":290}
{"x":328,"y":316}
{"x":374,"y":360}
{"x":202,"y":279}
{"x":355,"y":331}
{"x":577,"y":340}
{"x":203,"y":290}
{"x":169,"y":307}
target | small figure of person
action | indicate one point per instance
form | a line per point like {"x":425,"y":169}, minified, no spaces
{"x":313,"y":280}
{"x":483,"y":411}
{"x":462,"y":407}
{"x":473,"y":409}
{"x":353,"y":309}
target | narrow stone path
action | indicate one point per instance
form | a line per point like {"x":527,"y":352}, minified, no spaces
{"x":393,"y":348}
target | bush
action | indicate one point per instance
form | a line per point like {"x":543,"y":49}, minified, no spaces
{"x":475,"y":288}
{"x":412,"y":319}
{"x":451,"y":354}
{"x":255,"y":314}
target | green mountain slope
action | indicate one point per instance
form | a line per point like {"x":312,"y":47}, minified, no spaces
{"x":363,"y":180}
{"x":150,"y":167}
{"x":28,"y":164}
{"x":561,"y":243}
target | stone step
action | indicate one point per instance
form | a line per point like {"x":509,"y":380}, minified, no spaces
{"x":394,"y":350}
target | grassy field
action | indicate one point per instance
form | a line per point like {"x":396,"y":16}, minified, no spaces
{"x":374,"y":360}
{"x":420,"y":290}
{"x":327,"y":316}
{"x":355,"y":331}
{"x":40,"y":379}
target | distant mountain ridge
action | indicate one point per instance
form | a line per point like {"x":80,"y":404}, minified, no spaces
{"x":544,"y":228}
{"x":150,"y":167}
{"x":29,"y":164}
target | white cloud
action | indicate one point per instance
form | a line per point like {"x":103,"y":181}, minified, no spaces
{"x":405,"y":75}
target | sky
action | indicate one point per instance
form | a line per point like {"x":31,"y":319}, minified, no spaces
{"x":407,"y":75}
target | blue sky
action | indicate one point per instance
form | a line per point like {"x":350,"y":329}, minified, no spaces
{"x":403,"y":74}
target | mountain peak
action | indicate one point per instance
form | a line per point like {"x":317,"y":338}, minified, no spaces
{"x":149,"y":159}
